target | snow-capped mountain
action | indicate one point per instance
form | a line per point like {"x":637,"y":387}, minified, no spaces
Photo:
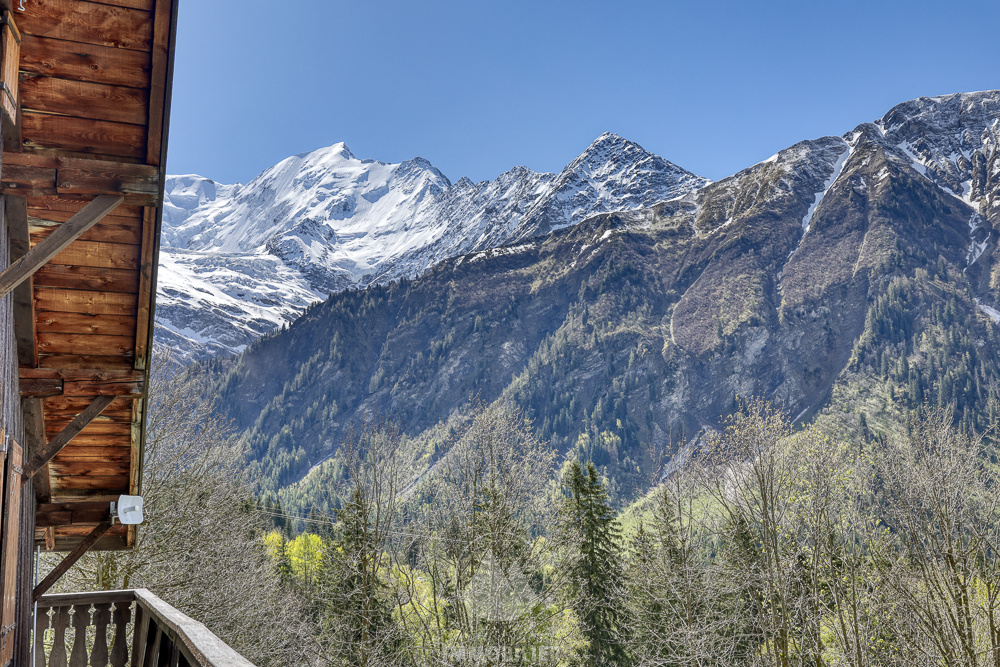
{"x":238,"y":261}
{"x":842,"y":276}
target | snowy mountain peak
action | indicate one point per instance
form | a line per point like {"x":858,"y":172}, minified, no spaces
{"x":952,"y":140}
{"x":611,"y":152}
{"x":609,"y":139}
{"x":611,"y":146}
{"x":324,"y":221}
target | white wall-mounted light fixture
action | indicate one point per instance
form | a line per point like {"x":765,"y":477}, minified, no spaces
{"x":128,"y":510}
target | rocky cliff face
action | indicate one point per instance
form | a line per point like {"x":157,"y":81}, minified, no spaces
{"x":853,"y":275}
{"x":242,"y":260}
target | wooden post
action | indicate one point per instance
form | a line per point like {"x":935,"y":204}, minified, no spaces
{"x":140,"y":635}
{"x":56,"y":444}
{"x":55,"y":242}
{"x":16,"y":212}
{"x":71,"y":558}
{"x":34,"y":433}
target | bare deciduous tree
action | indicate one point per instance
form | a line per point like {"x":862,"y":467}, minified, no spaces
{"x":475,"y":562}
{"x":941,"y":496}
{"x":200,"y":547}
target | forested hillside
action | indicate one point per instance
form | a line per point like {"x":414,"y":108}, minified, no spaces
{"x":852,"y":275}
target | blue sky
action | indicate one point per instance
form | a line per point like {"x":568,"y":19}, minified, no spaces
{"x":479,"y":87}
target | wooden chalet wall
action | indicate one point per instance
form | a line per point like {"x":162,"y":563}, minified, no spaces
{"x":17,"y":529}
{"x":92,"y":82}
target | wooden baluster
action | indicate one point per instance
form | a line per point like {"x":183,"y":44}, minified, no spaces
{"x":140,"y":637}
{"x":119,"y":650}
{"x":102,"y":615}
{"x":60,"y":619}
{"x":41,"y":624}
{"x":153,"y":640}
{"x":81,"y":619}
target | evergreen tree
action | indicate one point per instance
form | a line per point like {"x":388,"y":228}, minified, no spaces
{"x":591,"y":531}
{"x":354,"y":604}
{"x":656,"y":602}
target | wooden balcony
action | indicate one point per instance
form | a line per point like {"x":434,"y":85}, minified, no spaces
{"x":119,"y":628}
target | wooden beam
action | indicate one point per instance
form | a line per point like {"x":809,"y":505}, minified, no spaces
{"x":18,"y":178}
{"x":30,"y":174}
{"x":17,"y":223}
{"x":147,"y":280}
{"x":41,"y":387}
{"x":110,"y":177}
{"x":160,"y":80}
{"x":71,"y":558}
{"x":55,"y":242}
{"x":16,"y":211}
{"x":57,"y":443}
{"x":123,"y":385}
{"x":105,"y":388}
{"x":83,"y":375}
{"x":34,"y":433}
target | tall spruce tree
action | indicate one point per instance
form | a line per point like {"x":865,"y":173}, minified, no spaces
{"x":656,"y":588}
{"x":592,"y":534}
{"x":354,"y":605}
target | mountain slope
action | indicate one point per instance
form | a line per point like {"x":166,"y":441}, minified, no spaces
{"x":326,"y":221}
{"x":849,"y":275}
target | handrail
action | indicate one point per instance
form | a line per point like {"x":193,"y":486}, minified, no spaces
{"x":161,"y":634}
{"x":200,"y":645}
{"x":93,"y":597}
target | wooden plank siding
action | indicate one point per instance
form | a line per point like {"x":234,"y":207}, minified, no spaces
{"x":90,"y":23}
{"x":94,"y":89}
{"x":81,"y":136}
{"x":85,"y":99}
{"x":92,"y":63}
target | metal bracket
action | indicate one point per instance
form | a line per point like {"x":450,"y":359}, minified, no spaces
{"x":20,"y":5}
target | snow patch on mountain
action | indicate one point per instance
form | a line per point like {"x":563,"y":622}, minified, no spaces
{"x":992,"y":313}
{"x":838,"y":167}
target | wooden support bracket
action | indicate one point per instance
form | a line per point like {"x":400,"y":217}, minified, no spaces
{"x":67,"y":562}
{"x":56,"y":444}
{"x":55,"y":242}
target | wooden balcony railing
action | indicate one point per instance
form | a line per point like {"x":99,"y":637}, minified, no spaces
{"x":119,"y":628}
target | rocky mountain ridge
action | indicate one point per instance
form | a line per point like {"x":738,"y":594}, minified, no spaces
{"x":852,"y":275}
{"x":242,"y":260}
